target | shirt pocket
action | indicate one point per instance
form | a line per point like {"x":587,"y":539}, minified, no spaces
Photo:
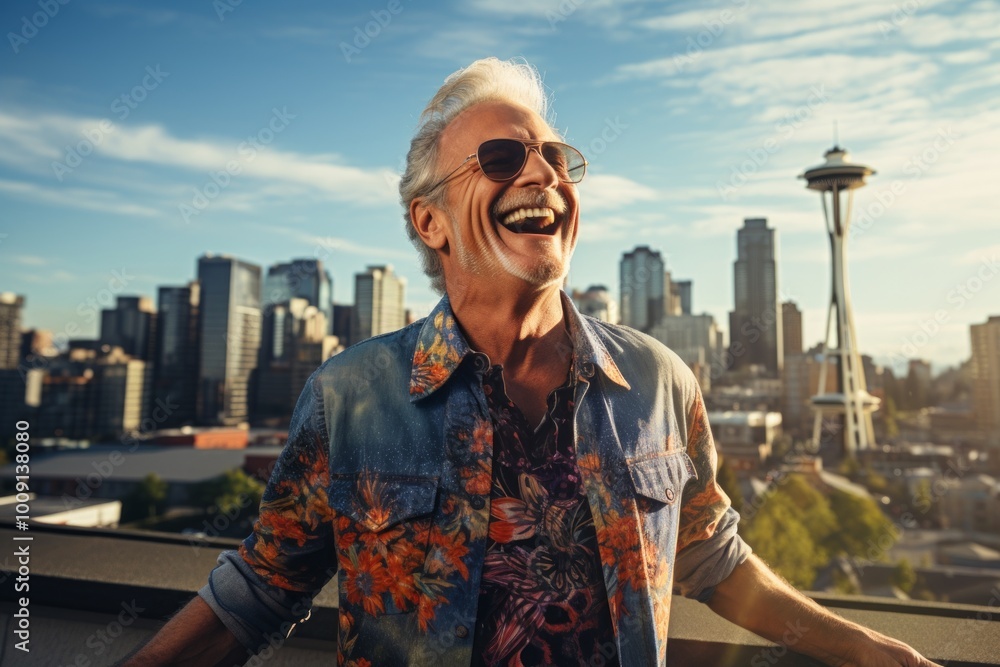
{"x":382,"y":526}
{"x":659,"y":480}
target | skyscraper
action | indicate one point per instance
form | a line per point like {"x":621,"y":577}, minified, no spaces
{"x":378,"y":302}
{"x":791,"y":328}
{"x":300,"y":279}
{"x":645,"y":288}
{"x":10,"y":329}
{"x":986,"y":378}
{"x":230,"y":337}
{"x":681,"y":291}
{"x":755,"y":329}
{"x":178,"y":331}
{"x":131,"y":325}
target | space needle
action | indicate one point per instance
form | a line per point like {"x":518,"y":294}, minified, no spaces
{"x":850,"y":406}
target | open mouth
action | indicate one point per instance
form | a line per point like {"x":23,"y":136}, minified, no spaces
{"x":537,"y":220}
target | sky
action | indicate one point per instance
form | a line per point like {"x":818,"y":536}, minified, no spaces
{"x":136,"y":137}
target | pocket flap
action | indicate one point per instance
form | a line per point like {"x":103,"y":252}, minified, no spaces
{"x":379,"y":501}
{"x":662,"y":478}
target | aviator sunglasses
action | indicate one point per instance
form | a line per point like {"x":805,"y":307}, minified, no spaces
{"x":503,"y":159}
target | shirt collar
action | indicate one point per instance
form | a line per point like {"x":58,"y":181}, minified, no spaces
{"x":441,"y":347}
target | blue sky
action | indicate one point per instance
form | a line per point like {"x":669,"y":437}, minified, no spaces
{"x":694,"y":115}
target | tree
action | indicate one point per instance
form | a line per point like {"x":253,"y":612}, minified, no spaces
{"x":904,"y":576}
{"x":863,"y":530}
{"x":147,"y":499}
{"x":233,"y":493}
{"x":789,"y":529}
{"x":778,"y":535}
{"x":727,"y":480}
{"x":889,"y":418}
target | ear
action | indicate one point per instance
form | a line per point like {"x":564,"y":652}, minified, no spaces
{"x":430,"y":222}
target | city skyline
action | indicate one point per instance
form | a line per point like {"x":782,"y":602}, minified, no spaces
{"x":693,"y":118}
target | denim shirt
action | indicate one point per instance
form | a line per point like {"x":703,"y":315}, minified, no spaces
{"x":384,"y":482}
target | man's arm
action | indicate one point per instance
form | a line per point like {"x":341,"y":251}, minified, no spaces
{"x":194,"y":637}
{"x":757,"y":599}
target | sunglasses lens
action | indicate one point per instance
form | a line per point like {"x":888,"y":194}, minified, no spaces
{"x":501,"y":159}
{"x":568,"y":162}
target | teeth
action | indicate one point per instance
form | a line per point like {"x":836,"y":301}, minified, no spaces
{"x":522,"y":213}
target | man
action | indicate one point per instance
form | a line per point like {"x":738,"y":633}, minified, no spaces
{"x":504,"y":482}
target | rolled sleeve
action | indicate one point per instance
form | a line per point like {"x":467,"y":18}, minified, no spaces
{"x":708,"y":546}
{"x":256,"y":613}
{"x":704,"y":564}
{"x":266,"y":586}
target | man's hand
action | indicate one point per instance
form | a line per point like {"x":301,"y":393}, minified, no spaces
{"x":755,"y":598}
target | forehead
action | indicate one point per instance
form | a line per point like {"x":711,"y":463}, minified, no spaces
{"x":492,"y":120}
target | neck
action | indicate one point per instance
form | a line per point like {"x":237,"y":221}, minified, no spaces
{"x":514,"y":330}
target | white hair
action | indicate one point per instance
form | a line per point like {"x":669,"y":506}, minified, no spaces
{"x":486,"y":80}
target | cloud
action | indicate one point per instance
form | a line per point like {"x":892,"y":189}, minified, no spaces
{"x":607,"y":191}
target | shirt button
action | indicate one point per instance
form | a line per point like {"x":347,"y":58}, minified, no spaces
{"x":670,"y":495}
{"x":461,"y":631}
{"x":477,"y":502}
{"x":588,"y":369}
{"x":480,"y":362}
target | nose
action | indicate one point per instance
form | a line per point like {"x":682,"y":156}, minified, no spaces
{"x":537,"y":171}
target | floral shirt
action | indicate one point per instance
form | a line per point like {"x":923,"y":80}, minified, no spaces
{"x":385,"y":483}
{"x":542,"y":597}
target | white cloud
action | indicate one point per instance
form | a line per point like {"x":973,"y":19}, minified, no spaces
{"x":607,"y":191}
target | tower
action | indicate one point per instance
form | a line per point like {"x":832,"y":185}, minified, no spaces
{"x":645,"y":288}
{"x":851,"y":404}
{"x":755,"y":330}
{"x":378,"y":302}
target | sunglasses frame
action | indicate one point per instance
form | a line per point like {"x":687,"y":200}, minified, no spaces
{"x":529,"y":145}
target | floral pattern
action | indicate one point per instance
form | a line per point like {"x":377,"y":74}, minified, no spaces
{"x":395,"y":488}
{"x":542,"y":599}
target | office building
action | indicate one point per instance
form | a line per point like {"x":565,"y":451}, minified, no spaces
{"x":378,"y":303}
{"x":986,"y":379}
{"x":175,"y":380}
{"x":230,"y":317}
{"x":755,"y":325}
{"x":791,"y":328}
{"x":131,"y":325}
{"x":300,"y":279}
{"x":645,"y":288}
{"x":10,"y":329}
{"x":597,"y":302}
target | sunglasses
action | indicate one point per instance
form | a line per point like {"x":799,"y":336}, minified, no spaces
{"x":503,"y":159}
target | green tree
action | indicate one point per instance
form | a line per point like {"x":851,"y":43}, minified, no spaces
{"x":233,"y":493}
{"x":779,"y":537}
{"x":147,"y":499}
{"x":863,"y":530}
{"x":727,"y":480}
{"x":904,"y":576}
{"x":789,"y":528}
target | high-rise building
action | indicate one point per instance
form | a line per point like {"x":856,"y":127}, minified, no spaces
{"x":696,"y":340}
{"x":343,"y":318}
{"x":645,"y":288}
{"x":131,"y":325}
{"x":378,"y":302}
{"x":230,"y":338}
{"x":681,"y":292}
{"x":755,"y":328}
{"x":175,"y":380}
{"x":791,"y":328}
{"x":597,"y":302}
{"x":300,"y":279}
{"x":10,"y":329}
{"x":799,"y":381}
{"x":123,"y":390}
{"x":986,"y":378}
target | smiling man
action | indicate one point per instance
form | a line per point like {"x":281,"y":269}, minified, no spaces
{"x":505,"y":482}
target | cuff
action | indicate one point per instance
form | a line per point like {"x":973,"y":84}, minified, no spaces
{"x":704,"y":565}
